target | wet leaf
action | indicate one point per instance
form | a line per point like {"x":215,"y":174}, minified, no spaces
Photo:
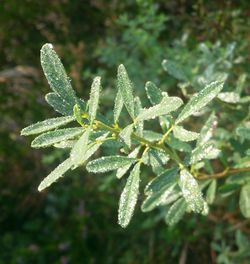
{"x":174,"y":69}
{"x":245,"y":201}
{"x":229,"y":97}
{"x":184,"y":135}
{"x":211,"y":191}
{"x":46,"y":125}
{"x":154,"y":94}
{"x":94,"y":98}
{"x":129,"y":197}
{"x":118,"y":106}
{"x":125,"y":134}
{"x":176,"y":212}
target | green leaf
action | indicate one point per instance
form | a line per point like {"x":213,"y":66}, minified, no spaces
{"x":241,"y":83}
{"x":94,"y":98}
{"x":138,"y":108}
{"x":79,"y":150}
{"x":206,"y":151}
{"x":55,"y":174}
{"x":229,"y":97}
{"x":154,"y":94}
{"x":207,"y":130}
{"x":184,"y":135}
{"x":176,"y":212}
{"x":243,"y":132}
{"x":46,"y":125}
{"x":108,"y":163}
{"x":210,"y":195}
{"x":157,"y":160}
{"x":162,"y":197}
{"x":77,"y":114}
{"x":59,"y":104}
{"x":126,"y":88}
{"x":121,"y":171}
{"x":164,"y":180}
{"x":167,"y":105}
{"x":191,"y":191}
{"x":56,"y":75}
{"x":125,"y":134}
{"x":174,"y":69}
{"x":151,"y":135}
{"x":65,"y":144}
{"x":245,"y":200}
{"x":178,"y":145}
{"x":53,"y":137}
{"x":118,"y":106}
{"x":129,"y":197}
{"x":200,"y":100}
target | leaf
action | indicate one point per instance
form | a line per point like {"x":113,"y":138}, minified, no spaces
{"x":174,"y":69}
{"x":108,"y":163}
{"x":125,"y":87}
{"x":56,"y":75}
{"x":178,"y":145}
{"x":65,"y":144}
{"x":59,"y":104}
{"x":167,"y":105}
{"x":206,"y":151}
{"x":157,"y":160}
{"x":191,"y":191}
{"x":52,"y":137}
{"x":200,"y":100}
{"x":163,"y":197}
{"x":79,"y":150}
{"x":151,"y":135}
{"x":176,"y":212}
{"x":55,"y":174}
{"x":121,"y":171}
{"x":125,"y":134}
{"x":167,"y":178}
{"x":138,"y":108}
{"x":154,"y":94}
{"x":229,"y":97}
{"x":129,"y":197}
{"x":245,"y":200}
{"x":207,"y":130}
{"x":46,"y":125}
{"x":241,"y":83}
{"x":210,"y":195}
{"x":184,"y":135}
{"x":94,"y":98}
{"x":243,"y":132}
{"x":118,"y":106}
{"x":77,"y":114}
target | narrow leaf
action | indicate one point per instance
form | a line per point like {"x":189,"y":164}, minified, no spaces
{"x":94,"y":98}
{"x":125,"y":86}
{"x":53,"y":137}
{"x":210,"y":195}
{"x":167,"y":105}
{"x":55,"y":174}
{"x":206,"y":151}
{"x":229,"y":97}
{"x":157,"y":160}
{"x":200,"y":100}
{"x":125,"y":134}
{"x":176,"y":212}
{"x":162,"y":181}
{"x":154,"y":94}
{"x":46,"y":125}
{"x":151,"y":135}
{"x":56,"y":75}
{"x":164,"y":196}
{"x":108,"y":163}
{"x":184,"y":135}
{"x":245,"y":200}
{"x":191,"y":191}
{"x":207,"y":130}
{"x":129,"y":197}
{"x":138,"y":108}
{"x":121,"y":171}
{"x":118,"y":106}
{"x":59,"y":104}
{"x":79,"y":150}
{"x":77,"y":114}
{"x":178,"y":145}
{"x":174,"y":69}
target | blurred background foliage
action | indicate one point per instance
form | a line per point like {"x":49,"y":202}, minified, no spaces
{"x":75,"y":221}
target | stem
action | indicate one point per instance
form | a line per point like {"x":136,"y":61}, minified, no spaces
{"x":222,"y":174}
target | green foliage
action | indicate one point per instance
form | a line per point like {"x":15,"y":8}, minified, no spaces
{"x":175,"y":188}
